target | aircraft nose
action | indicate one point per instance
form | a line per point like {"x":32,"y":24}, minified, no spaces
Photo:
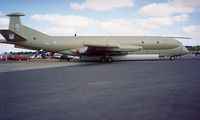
{"x":185,"y":50}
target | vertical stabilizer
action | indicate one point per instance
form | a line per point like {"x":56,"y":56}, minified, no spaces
{"x":25,"y":32}
{"x":15,"y":22}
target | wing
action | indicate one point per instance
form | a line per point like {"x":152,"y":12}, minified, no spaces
{"x":92,"y":47}
{"x":101,"y":45}
{"x":102,"y":49}
{"x":104,"y":52}
{"x":2,"y":40}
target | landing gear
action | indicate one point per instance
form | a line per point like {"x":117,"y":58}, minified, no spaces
{"x":103,"y":59}
{"x":172,"y":58}
{"x":106,"y":59}
{"x":109,"y":59}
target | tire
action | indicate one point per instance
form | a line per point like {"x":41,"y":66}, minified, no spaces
{"x":109,"y":59}
{"x":103,"y":59}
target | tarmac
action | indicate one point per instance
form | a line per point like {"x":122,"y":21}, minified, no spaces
{"x":8,"y":66}
{"x":132,"y":90}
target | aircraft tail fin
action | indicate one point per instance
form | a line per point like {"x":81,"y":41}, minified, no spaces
{"x":23,"y":32}
{"x":15,"y":22}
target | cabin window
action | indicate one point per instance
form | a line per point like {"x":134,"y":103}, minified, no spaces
{"x":142,"y":42}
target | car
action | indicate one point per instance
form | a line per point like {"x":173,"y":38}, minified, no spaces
{"x":4,"y":56}
{"x":66,"y":57}
{"x":36,"y":56}
{"x":197,"y":53}
{"x":56,"y":56}
{"x":19,"y":57}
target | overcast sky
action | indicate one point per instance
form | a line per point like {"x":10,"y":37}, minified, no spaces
{"x":107,"y":17}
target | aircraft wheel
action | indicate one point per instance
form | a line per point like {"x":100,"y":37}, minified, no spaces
{"x":103,"y":59}
{"x":172,"y":58}
{"x":109,"y":59}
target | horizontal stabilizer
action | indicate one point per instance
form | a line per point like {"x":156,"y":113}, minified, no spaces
{"x":11,"y":36}
{"x":2,"y":40}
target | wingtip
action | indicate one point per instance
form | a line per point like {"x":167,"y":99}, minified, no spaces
{"x":181,"y":37}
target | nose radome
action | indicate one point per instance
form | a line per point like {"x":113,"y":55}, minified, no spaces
{"x":185,"y":50}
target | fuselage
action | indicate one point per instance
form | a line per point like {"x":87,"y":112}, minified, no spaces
{"x":164,"y":46}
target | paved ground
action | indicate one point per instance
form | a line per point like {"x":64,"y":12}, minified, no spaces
{"x":134,"y":90}
{"x":8,"y":66}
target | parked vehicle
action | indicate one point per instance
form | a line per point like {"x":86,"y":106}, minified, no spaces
{"x":36,"y":56}
{"x":19,"y":57}
{"x":197,"y":53}
{"x":66,"y":57}
{"x":4,"y":56}
{"x":56,"y":56}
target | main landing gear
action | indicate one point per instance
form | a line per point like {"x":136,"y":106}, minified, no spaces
{"x":105,"y":59}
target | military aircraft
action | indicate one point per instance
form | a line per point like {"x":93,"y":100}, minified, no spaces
{"x":105,"y":47}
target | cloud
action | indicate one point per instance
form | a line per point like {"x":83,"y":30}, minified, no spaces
{"x":139,"y":26}
{"x":60,"y":31}
{"x":191,"y":3}
{"x":156,"y":22}
{"x":4,"y":23}
{"x":170,"y":8}
{"x":65,"y":20}
{"x":102,"y":5}
{"x":192,"y":30}
{"x":1,"y":14}
{"x":195,"y":4}
{"x":121,"y":27}
{"x":70,"y":24}
{"x":163,"y":9}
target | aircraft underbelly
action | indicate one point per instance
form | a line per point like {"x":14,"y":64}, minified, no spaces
{"x":127,"y":57}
